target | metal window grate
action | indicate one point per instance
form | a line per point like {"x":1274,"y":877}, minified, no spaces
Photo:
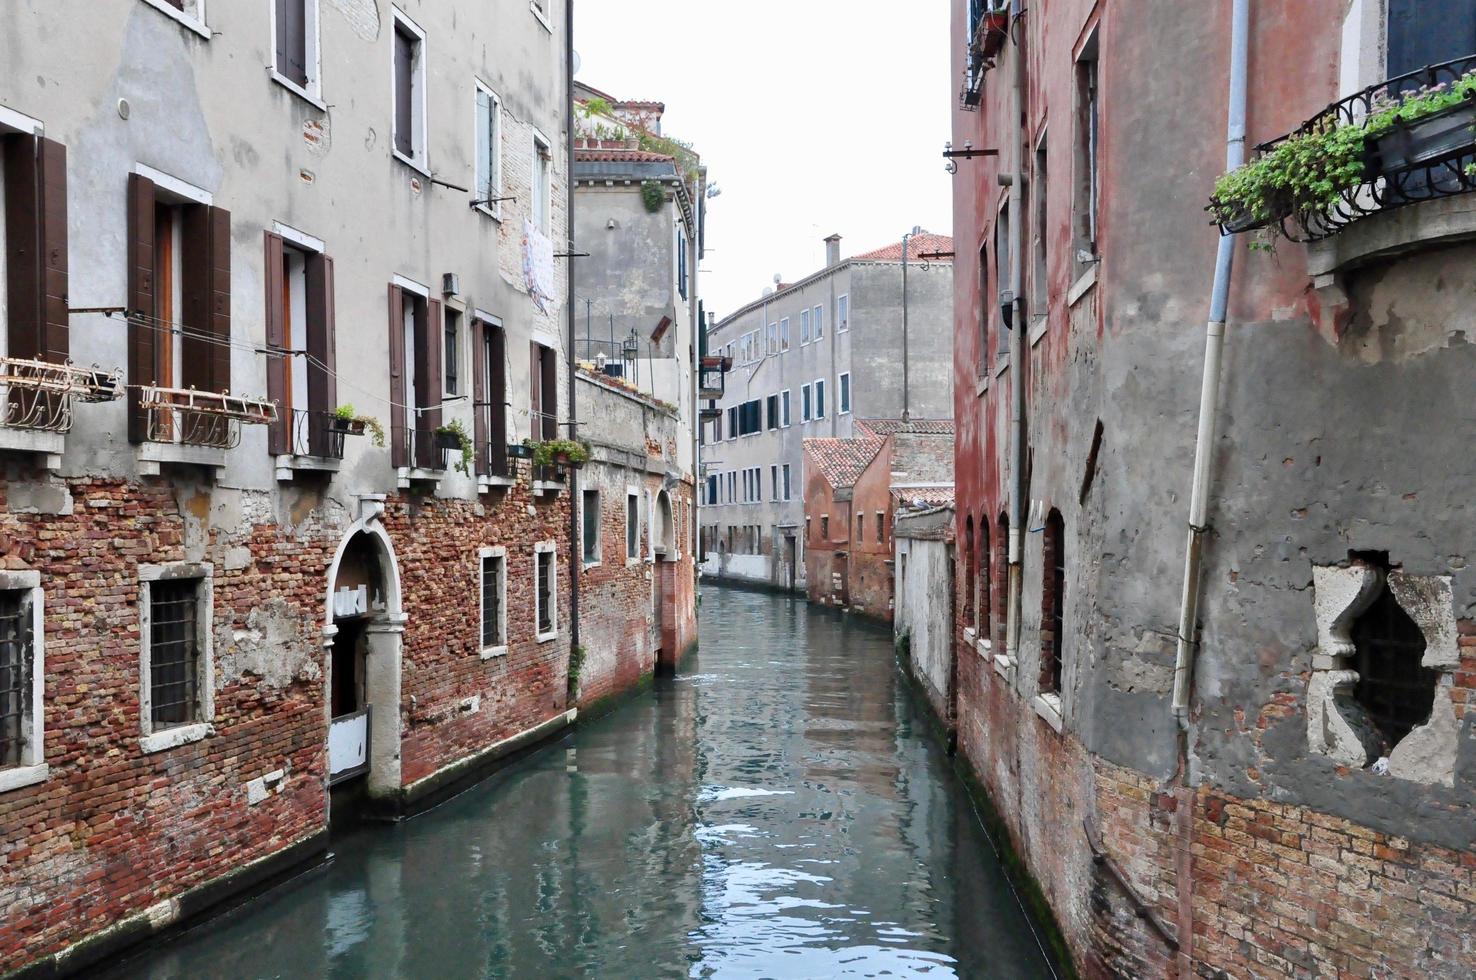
{"x":492,"y":601}
{"x":545,"y":591}
{"x":174,"y":652}
{"x":1397,"y":691}
{"x":16,"y":659}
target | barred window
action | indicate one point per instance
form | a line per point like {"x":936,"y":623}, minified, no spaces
{"x":494,"y":582}
{"x":545,"y":574}
{"x":17,"y":663}
{"x":174,"y":653}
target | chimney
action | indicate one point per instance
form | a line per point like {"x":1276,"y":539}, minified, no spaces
{"x":832,"y":251}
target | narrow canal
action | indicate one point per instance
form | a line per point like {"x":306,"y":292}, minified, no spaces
{"x":778,"y":810}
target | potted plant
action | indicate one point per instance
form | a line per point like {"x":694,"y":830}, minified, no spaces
{"x":520,"y":450}
{"x":453,"y":436}
{"x":994,"y":26}
{"x":1423,"y":131}
{"x":560,"y":452}
{"x":345,"y":421}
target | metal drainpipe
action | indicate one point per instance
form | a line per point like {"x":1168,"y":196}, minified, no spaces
{"x":574,"y":562}
{"x":1209,"y":393}
{"x":1017,"y":360}
{"x":906,"y":392}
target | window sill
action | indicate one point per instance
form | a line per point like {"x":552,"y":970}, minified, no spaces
{"x":1083,"y":284}
{"x":173,"y":738}
{"x":297,"y":90}
{"x":1048,"y":706}
{"x":181,"y":17}
{"x":492,"y":653}
{"x":49,"y":445}
{"x":288,"y":467}
{"x":1039,"y":324}
{"x":985,"y":648}
{"x":154,"y":455}
{"x":1001,"y":364}
{"x":981,"y":385}
{"x":407,"y":475}
{"x":1004,"y":666}
{"x":548,"y":488}
{"x":593,"y":564}
{"x":540,"y":16}
{"x":970,"y":637}
{"x":410,"y":162}
{"x":547,"y":637}
{"x":23,"y":776}
{"x":487,"y":482}
{"x":494,"y":215}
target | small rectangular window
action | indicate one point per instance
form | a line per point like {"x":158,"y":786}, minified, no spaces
{"x":860,"y":528}
{"x":19,"y":668}
{"x":804,"y":327}
{"x":632,"y":526}
{"x":590,"y":513}
{"x":784,"y":334}
{"x":804,"y":403}
{"x":546,"y":597}
{"x":1088,"y":153}
{"x":773,"y":481}
{"x":174,"y":653}
{"x":1002,"y":281}
{"x":881,"y":527}
{"x":297,"y":43}
{"x":818,"y":320}
{"x":844,"y":406}
{"x":985,"y":301}
{"x":771,"y":411}
{"x":451,"y":360}
{"x":784,"y":408}
{"x":820,"y":399}
{"x":488,"y":151}
{"x":842,"y":313}
{"x":494,"y":600}
{"x":1039,"y":271}
{"x":409,"y":75}
{"x":786,"y":481}
{"x":824,"y":527}
{"x":773,"y":340}
{"x":542,"y":183}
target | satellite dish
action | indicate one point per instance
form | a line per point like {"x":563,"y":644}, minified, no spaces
{"x":577,"y":62}
{"x":778,"y":278}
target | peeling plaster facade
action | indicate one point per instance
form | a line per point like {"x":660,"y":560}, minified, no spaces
{"x":1344,"y":429}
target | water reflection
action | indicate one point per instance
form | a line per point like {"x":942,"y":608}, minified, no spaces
{"x":778,"y":811}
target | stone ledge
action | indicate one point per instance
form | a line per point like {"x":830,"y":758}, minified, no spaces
{"x":1386,"y":234}
{"x":49,"y":445}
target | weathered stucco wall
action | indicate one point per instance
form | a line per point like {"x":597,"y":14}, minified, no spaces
{"x":924,"y":573}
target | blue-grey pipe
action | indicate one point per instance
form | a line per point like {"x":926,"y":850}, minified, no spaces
{"x":1209,"y":395}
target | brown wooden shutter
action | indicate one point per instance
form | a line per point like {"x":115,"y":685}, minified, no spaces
{"x":141,"y":307}
{"x":194,"y":316}
{"x":428,"y":386}
{"x":497,"y":376}
{"x":54,"y":342}
{"x":220,"y":299}
{"x":399,"y":447}
{"x":292,"y":40}
{"x":404,"y":82}
{"x":22,"y":247}
{"x":535,"y":391}
{"x":480,"y":434}
{"x":322,"y":366}
{"x":279,"y":436}
{"x":550,"y":391}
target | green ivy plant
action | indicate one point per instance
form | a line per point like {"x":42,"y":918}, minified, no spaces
{"x":455,"y":428}
{"x":653,"y":195}
{"x":376,"y":431}
{"x":1309,"y":172}
{"x":547,"y":453}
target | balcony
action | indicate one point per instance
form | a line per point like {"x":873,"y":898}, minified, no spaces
{"x":1406,"y":141}
{"x":36,"y":399}
{"x":989,"y":27}
{"x":496,"y":469}
{"x":192,"y":427}
{"x":426,"y":457}
{"x":315,"y":443}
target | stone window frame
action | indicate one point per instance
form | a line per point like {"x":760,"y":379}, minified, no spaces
{"x":151,"y":741}
{"x":1341,"y":593}
{"x":498,"y":650}
{"x":546,"y":548}
{"x":648,"y":501}
{"x":33,"y":768}
{"x":591,"y":561}
{"x":633,"y":531}
{"x":419,"y":157}
{"x":312,"y":93}
{"x":194,"y":21}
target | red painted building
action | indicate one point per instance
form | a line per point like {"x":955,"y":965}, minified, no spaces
{"x":1299,"y":805}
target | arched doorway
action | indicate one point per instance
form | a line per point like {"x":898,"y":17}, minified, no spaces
{"x":363,"y":634}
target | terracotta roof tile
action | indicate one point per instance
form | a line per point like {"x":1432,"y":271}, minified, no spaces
{"x":605,"y":154}
{"x":882,"y":428}
{"x":930,"y":496}
{"x":841,"y":461}
{"x":917,"y":247}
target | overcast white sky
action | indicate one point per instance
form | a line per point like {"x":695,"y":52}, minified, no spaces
{"x":813,"y":116}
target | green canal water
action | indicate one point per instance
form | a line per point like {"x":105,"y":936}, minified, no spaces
{"x":779,"y":810}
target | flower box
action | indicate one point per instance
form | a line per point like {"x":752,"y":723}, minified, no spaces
{"x":447,"y":440}
{"x":1444,"y":135}
{"x":348,"y":427}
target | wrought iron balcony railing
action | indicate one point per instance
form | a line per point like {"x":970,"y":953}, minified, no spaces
{"x":39,"y":394}
{"x":318,"y":434}
{"x":202,"y":418}
{"x":1422,"y":156}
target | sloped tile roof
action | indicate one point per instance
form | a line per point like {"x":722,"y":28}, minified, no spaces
{"x":886,"y":427}
{"x":930,"y":496}
{"x":917,"y":247}
{"x":841,"y":461}
{"x":613,"y":155}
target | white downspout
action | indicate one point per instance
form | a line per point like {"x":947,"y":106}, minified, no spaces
{"x":1209,"y":396}
{"x":1015,"y":558}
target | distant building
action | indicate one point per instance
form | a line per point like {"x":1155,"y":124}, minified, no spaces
{"x":807,"y":360}
{"x":923,"y":620}
{"x":853,"y":490}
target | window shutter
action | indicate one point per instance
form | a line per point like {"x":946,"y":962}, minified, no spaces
{"x":219,"y":298}
{"x":22,"y":247}
{"x":292,"y":40}
{"x":141,"y":335}
{"x":279,"y":436}
{"x":550,"y":392}
{"x":1427,"y":32}
{"x":322,"y":365}
{"x":484,"y":146}
{"x":428,"y":383}
{"x":399,"y":449}
{"x":480,"y":434}
{"x":194,"y":316}
{"x":404,"y":80}
{"x":535,"y":386}
{"x":54,"y":342}
{"x":497,"y":378}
